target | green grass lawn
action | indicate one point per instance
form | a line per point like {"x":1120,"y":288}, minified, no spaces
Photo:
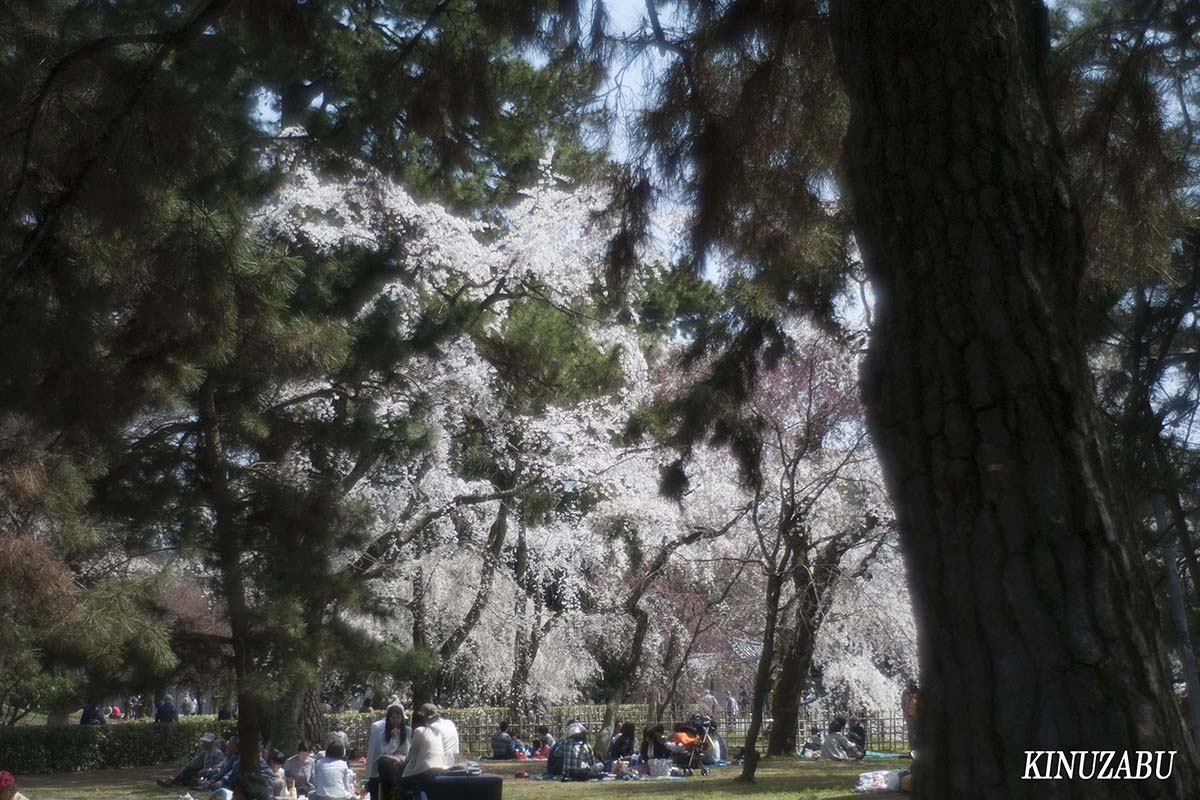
{"x":779,"y":779}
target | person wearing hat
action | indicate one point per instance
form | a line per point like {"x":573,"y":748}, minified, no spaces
{"x":208,"y":759}
{"x":578,"y":757}
{"x":8,"y":788}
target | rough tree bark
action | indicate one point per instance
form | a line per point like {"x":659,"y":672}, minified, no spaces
{"x":233,"y":584}
{"x":1037,"y":628}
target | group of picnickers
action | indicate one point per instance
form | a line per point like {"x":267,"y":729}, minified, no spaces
{"x":692,"y":744}
{"x":216,"y":769}
{"x":405,"y":754}
{"x":402,"y":755}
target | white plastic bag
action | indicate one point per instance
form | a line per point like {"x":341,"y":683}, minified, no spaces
{"x":882,"y":781}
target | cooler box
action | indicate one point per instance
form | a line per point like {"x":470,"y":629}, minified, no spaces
{"x":465,"y":787}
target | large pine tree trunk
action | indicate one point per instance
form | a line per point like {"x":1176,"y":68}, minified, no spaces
{"x":233,"y":582}
{"x":1037,"y":629}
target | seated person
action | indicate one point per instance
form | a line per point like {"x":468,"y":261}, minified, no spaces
{"x":857,"y":733}
{"x":299,"y":768}
{"x":623,"y":743}
{"x":814,"y":742}
{"x":281,"y":790}
{"x":8,"y":788}
{"x":230,"y":777}
{"x":332,"y":778}
{"x":275,"y":762}
{"x":426,"y":754}
{"x":227,"y":769}
{"x":91,"y":716}
{"x":206,"y":761}
{"x":578,"y":761}
{"x":254,"y":787}
{"x":836,"y":745}
{"x":653,"y":744}
{"x":503,"y":747}
{"x":544,"y":733}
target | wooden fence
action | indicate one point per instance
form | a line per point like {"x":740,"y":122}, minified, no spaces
{"x":476,"y":725}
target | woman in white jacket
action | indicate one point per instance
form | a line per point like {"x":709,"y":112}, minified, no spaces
{"x":388,"y":740}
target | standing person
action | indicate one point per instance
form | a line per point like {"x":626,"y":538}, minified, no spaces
{"x":910,"y":707}
{"x":731,"y":706}
{"x":332,"y":778}
{"x":299,"y":768}
{"x":444,"y":728}
{"x":167,"y":712}
{"x":427,"y":756}
{"x":708,"y":704}
{"x":387,"y":743}
{"x":8,"y":788}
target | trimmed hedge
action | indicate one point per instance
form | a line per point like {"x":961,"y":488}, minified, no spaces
{"x":33,"y":749}
{"x":29,"y":749}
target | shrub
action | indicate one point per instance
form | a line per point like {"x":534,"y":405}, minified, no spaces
{"x":26,"y":750}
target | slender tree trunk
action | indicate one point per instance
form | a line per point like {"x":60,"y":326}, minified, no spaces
{"x":620,"y":690}
{"x":793,"y":672}
{"x":523,"y":634}
{"x":762,"y":676}
{"x":422,"y":689}
{"x":233,"y":584}
{"x":1037,"y":628}
{"x":813,"y":588}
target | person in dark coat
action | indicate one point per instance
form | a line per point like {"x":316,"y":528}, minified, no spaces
{"x":167,"y":712}
{"x":654,"y":743}
{"x":857,"y":733}
{"x":91,"y":716}
{"x":623,"y":743}
{"x":503,"y":747}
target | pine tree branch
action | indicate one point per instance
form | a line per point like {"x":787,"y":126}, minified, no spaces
{"x":205,"y":17}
